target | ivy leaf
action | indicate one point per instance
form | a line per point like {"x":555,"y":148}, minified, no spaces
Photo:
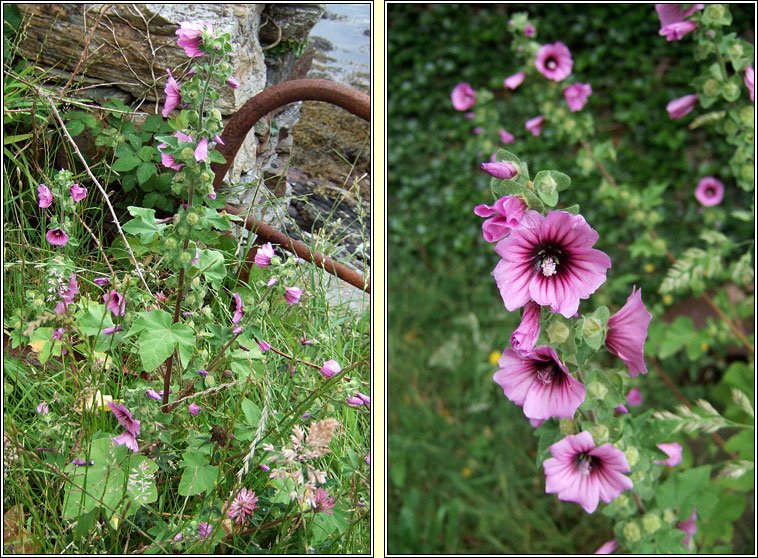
{"x":143,"y":225}
{"x":216,"y":157}
{"x":126,"y":163}
{"x":212,"y":264}
{"x":145,"y":171}
{"x":155,"y":346}
{"x":197,"y":477}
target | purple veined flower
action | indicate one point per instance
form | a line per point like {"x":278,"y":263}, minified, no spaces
{"x":238,"y":313}
{"x":128,"y":439}
{"x":505,"y":136}
{"x":304,"y":341}
{"x":43,"y":408}
{"x":101,"y":281}
{"x":749,"y":80}
{"x":607,"y":548}
{"x":238,"y":330}
{"x":677,"y":30}
{"x":152,"y":394}
{"x":124,"y":417}
{"x":173,"y":95}
{"x":463,"y":97}
{"x":201,"y":151}
{"x":233,"y":82}
{"x":271,"y":282}
{"x":576,"y":95}
{"x":193,"y":408}
{"x":112,"y":330}
{"x":504,"y":170}
{"x":627,"y":331}
{"x":263,"y":346}
{"x":501,"y":217}
{"x":243,"y":506}
{"x":367,"y":459}
{"x":191,"y":35}
{"x":554,"y":61}
{"x":167,"y":160}
{"x":218,"y":140}
{"x":202,"y":373}
{"x":355,"y":401}
{"x":582,"y":473}
{"x":204,"y":529}
{"x":525,"y":337}
{"x":478,"y":131}
{"x":58,"y":334}
{"x":57,"y":237}
{"x":689,"y":527}
{"x":197,"y":257}
{"x":634,"y":397}
{"x":709,"y":191}
{"x":115,"y":302}
{"x":673,"y":13}
{"x":512,"y":82}
{"x":212,"y":196}
{"x":536,"y":423}
{"x":534,"y":125}
{"x":82,"y":462}
{"x":44,"y":196}
{"x":529,"y":30}
{"x":183,"y":137}
{"x":321,"y":502}
{"x":540,"y":383}
{"x":72,"y":289}
{"x":264,"y":467}
{"x":365,"y":398}
{"x":292,"y":295}
{"x":330,"y":368}
{"x":550,"y":260}
{"x":674,"y":451}
{"x":622,"y":409}
{"x":264,"y":254}
{"x":470,"y":115}
{"x":178,"y":537}
{"x":678,"y":108}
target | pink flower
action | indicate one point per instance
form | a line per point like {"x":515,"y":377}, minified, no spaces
{"x":681,"y":106}
{"x":304,"y":341}
{"x":554,"y":61}
{"x":608,"y":547}
{"x":634,"y":397}
{"x":689,"y":527}
{"x":627,"y":331}
{"x":43,"y":409}
{"x":115,"y":302}
{"x":330,"y":368}
{"x":512,"y":82}
{"x":58,"y":334}
{"x":178,"y":537}
{"x":622,"y":409}
{"x":44,"y":196}
{"x":292,"y":295}
{"x":243,"y":506}
{"x":321,"y":502}
{"x":550,"y":260}
{"x":190,"y":37}
{"x":111,"y":330}
{"x":238,"y":313}
{"x":535,"y":125}
{"x":677,"y":30}
{"x":201,"y":151}
{"x":263,"y":346}
{"x":355,"y":400}
{"x":536,"y":423}
{"x":212,"y":196}
{"x":82,"y":462}
{"x":503,"y":170}
{"x":540,"y":383}
{"x":124,"y":417}
{"x":579,"y":472}
{"x":264,"y":254}
{"x":204,"y":529}
{"x":202,"y":373}
{"x":506,"y":137}
{"x":478,"y":131}
{"x":502,"y":217}
{"x":101,"y":281}
{"x":152,"y":394}
{"x":673,"y":13}
{"x":525,"y":337}
{"x":529,"y":30}
{"x":576,"y":95}
{"x":749,"y":82}
{"x":167,"y":160}
{"x":469,"y":115}
{"x":709,"y":191}
{"x":173,"y":95}
{"x":233,"y":82}
{"x":57,"y":237}
{"x":128,"y":439}
{"x":218,"y":140}
{"x":193,"y":408}
{"x":463,"y":97}
{"x":674,"y":451}
{"x":71,"y":291}
{"x":367,"y":459}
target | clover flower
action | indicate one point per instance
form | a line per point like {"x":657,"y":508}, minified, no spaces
{"x":512,"y":82}
{"x":321,"y":502}
{"x":330,"y":368}
{"x":204,"y":529}
{"x":525,"y":337}
{"x":709,"y":191}
{"x":173,"y":95}
{"x":502,"y":217}
{"x":463,"y":97}
{"x":57,"y":237}
{"x":191,"y":36}
{"x":264,"y":254}
{"x":243,"y":506}
{"x":554,"y":61}
{"x":44,"y":196}
{"x":550,"y":260}
{"x":534,"y":125}
{"x":582,"y":473}
{"x":504,"y":170}
{"x":505,"y":136}
{"x":678,"y":108}
{"x":292,"y":295}
{"x":674,"y":451}
{"x":115,"y":302}
{"x":627,"y":331}
{"x":576,"y":95}
{"x":540,"y":383}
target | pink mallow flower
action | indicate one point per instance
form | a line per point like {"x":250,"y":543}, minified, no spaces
{"x":67,"y":295}
{"x":243,"y":506}
{"x":112,"y":330}
{"x":634,"y":397}
{"x":554,"y":61}
{"x":330,"y":368}
{"x":540,"y":383}
{"x":292,"y":295}
{"x":78,"y":193}
{"x":608,"y":548}
{"x":529,"y":30}
{"x":128,"y":439}
{"x":550,"y":260}
{"x":505,"y":136}
{"x":673,"y":13}
{"x":512,"y":82}
{"x":115,"y":302}
{"x":463,"y":97}
{"x":709,"y":191}
{"x":167,"y":159}
{"x":57,"y":237}
{"x":534,"y":125}
{"x":173,"y":95}
{"x":582,"y":473}
{"x":504,"y":170}
{"x":194,"y":408}
{"x":750,"y":81}
{"x":101,"y":281}
{"x":501,"y":217}
{"x":233,"y":82}
{"x":124,"y":417}
{"x":43,"y":409}
{"x":201,"y":151}
{"x":264,"y":254}
{"x":58,"y":334}
{"x":152,"y":394}
{"x":627,"y":331}
{"x":190,"y":37}
{"x":44,"y":196}
{"x":263,"y":346}
{"x":525,"y":337}
{"x":689,"y":527}
{"x":238,"y":313}
{"x":677,"y":30}
{"x":674,"y":451}
{"x":576,"y":95}
{"x":682,"y":106}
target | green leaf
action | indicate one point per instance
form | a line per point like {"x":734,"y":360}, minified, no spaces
{"x":75,"y":127}
{"x":155,"y":346}
{"x":152,"y":123}
{"x":186,"y":339}
{"x":126,"y":163}
{"x":147,"y":153}
{"x":216,"y":157}
{"x":252,"y":413}
{"x":212,"y":264}
{"x":145,"y":171}
{"x":676,"y":336}
{"x":547,"y":188}
{"x":197,"y":477}
{"x":143,"y":225}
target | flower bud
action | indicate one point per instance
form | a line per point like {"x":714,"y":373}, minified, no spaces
{"x":170,"y":244}
{"x":637,"y":477}
{"x":557,"y":332}
{"x":210,"y":381}
{"x":632,"y":531}
{"x":187,"y":154}
{"x":731,"y":91}
{"x":567,"y":427}
{"x":183,"y":230}
{"x":632,"y":456}
{"x":596,"y":390}
{"x":651,"y":522}
{"x":195,"y":283}
{"x":714,"y":11}
{"x":711,"y":87}
{"x":669,"y":516}
{"x":216,"y":114}
{"x":192,"y":219}
{"x":185,"y":258}
{"x":735,"y":51}
{"x":746,"y":114}
{"x":599,"y":433}
{"x":591,"y":327}
{"x":747,"y":173}
{"x":659,"y":244}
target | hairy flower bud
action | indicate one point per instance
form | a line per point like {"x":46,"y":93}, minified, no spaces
{"x":195,"y":283}
{"x":170,"y":244}
{"x":599,"y":433}
{"x":185,"y":258}
{"x":591,"y":327}
{"x":651,"y":522}
{"x":596,"y":390}
{"x":192,"y":219}
{"x":669,"y":516}
{"x":632,"y":456}
{"x":711,"y":87}
{"x":557,"y":332}
{"x":187,"y":154}
{"x":632,"y":531}
{"x":567,"y":426}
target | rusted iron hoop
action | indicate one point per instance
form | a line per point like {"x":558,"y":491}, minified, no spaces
{"x":256,"y":108}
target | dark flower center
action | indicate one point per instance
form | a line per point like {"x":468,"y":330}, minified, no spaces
{"x":584,"y":463}
{"x":710,"y":192}
{"x":551,"y":64}
{"x":548,"y":373}
{"x":547,"y":259}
